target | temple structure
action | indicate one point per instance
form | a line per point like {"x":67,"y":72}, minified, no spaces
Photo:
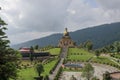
{"x":66,"y":40}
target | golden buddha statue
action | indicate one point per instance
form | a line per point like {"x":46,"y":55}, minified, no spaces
{"x":66,"y":32}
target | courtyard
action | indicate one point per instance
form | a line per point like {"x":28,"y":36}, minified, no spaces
{"x":99,"y":70}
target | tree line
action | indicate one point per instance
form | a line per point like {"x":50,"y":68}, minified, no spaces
{"x":112,"y":48}
{"x":88,"y":45}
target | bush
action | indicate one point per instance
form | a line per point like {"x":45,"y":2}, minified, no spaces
{"x":54,"y":67}
{"x":28,"y":64}
{"x":25,"y":66}
{"x":46,"y":77}
{"x":58,"y":74}
{"x":38,"y":78}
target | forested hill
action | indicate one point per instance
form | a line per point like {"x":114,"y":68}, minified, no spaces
{"x":100,"y":35}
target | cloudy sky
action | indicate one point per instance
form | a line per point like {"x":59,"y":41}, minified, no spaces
{"x":31,"y":19}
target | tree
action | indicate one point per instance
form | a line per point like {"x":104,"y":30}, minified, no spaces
{"x":36,"y":46}
{"x":88,"y":71}
{"x":39,"y":69}
{"x":73,"y":78}
{"x":81,"y":45}
{"x":110,"y":48}
{"x":31,"y":54}
{"x":97,"y":53}
{"x":9,"y":58}
{"x":117,"y":46}
{"x":103,"y":50}
{"x":106,"y":76}
{"x":88,"y":45}
{"x":95,"y":78}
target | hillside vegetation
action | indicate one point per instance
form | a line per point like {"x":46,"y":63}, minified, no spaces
{"x":100,"y":35}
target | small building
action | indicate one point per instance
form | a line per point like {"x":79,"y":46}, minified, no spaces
{"x":25,"y":52}
{"x":73,"y":66}
{"x":66,"y":40}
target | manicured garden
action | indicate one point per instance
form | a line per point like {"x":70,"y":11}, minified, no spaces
{"x":83,"y":58}
{"x":102,"y":60}
{"x":54,"y":51}
{"x":78,"y":51}
{"x":81,"y":55}
{"x":76,"y":54}
{"x":29,"y":73}
{"x":116,"y":56}
{"x":48,"y":67}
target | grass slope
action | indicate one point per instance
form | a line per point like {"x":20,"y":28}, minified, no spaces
{"x":54,"y":51}
{"x":30,"y":73}
{"x":76,"y":54}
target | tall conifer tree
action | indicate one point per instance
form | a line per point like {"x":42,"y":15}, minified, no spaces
{"x":8,"y":57}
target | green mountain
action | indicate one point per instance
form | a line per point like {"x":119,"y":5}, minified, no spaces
{"x":100,"y":35}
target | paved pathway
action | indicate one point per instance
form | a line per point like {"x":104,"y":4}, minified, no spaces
{"x":52,"y":76}
{"x":62,"y":56}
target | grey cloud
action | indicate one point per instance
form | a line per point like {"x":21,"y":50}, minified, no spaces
{"x":110,"y":4}
{"x":52,"y":15}
{"x":30,"y":16}
{"x":40,"y":15}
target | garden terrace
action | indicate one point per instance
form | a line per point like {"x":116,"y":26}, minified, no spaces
{"x":104,"y":60}
{"x":116,"y":56}
{"x":54,"y":51}
{"x":76,"y":54}
{"x":28,"y":73}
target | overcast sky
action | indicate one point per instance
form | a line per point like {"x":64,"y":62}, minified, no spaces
{"x":31,"y":19}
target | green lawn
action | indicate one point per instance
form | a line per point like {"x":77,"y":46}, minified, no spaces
{"x":103,"y":60}
{"x":54,"y":51}
{"x":77,"y":54}
{"x":117,"y":56}
{"x":79,"y":57}
{"x":78,"y":51}
{"x":30,"y":73}
{"x":27,"y":74}
{"x":25,"y":62}
{"x":49,"y":66}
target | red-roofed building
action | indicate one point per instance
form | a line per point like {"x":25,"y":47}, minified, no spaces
{"x":25,"y":50}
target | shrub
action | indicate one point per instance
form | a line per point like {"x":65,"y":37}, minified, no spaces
{"x":58,"y":74}
{"x":25,"y":66}
{"x":46,"y":77}
{"x":28,"y":64}
{"x":74,"y":53}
